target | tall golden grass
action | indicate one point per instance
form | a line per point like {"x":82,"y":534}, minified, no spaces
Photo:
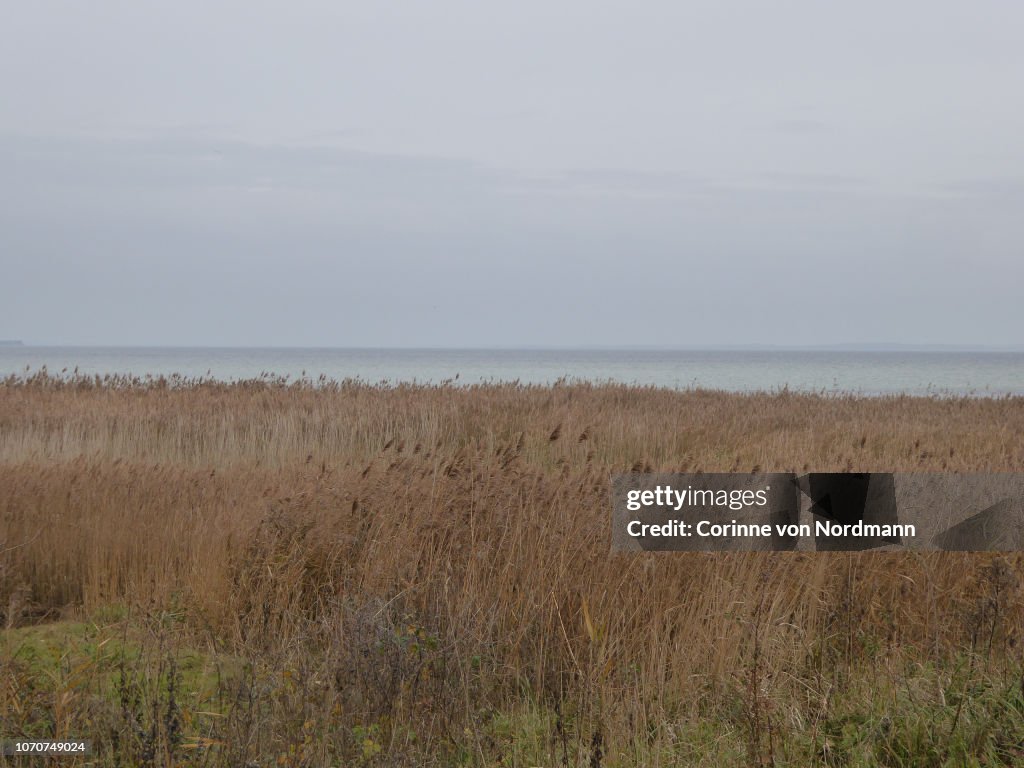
{"x":301,"y":522}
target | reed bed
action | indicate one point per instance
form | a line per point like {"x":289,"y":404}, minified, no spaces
{"x":403,"y":574}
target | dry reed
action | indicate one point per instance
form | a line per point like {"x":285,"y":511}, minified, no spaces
{"x":298,"y":521}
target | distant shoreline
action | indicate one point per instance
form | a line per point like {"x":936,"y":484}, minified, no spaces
{"x":982,"y":373}
{"x":852,"y":347}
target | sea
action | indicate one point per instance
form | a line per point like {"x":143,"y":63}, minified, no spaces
{"x":885,"y":372}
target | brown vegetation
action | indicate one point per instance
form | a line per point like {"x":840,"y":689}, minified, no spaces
{"x":413,"y":574}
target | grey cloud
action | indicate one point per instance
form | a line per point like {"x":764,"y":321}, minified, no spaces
{"x":211,"y":162}
{"x":223,"y":242}
{"x":617,"y":181}
{"x":803,"y":126}
{"x":592,"y":173}
{"x":820,"y":181}
{"x":998,"y":190}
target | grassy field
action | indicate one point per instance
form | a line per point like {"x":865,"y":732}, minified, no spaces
{"x":287,"y":575}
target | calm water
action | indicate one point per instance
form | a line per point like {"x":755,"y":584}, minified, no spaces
{"x":973,"y":373}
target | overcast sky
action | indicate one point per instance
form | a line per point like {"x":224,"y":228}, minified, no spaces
{"x":523,"y":173}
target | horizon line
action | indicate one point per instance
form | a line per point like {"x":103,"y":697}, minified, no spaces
{"x":738,"y":347}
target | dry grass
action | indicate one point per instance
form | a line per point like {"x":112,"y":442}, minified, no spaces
{"x":431,"y":566}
